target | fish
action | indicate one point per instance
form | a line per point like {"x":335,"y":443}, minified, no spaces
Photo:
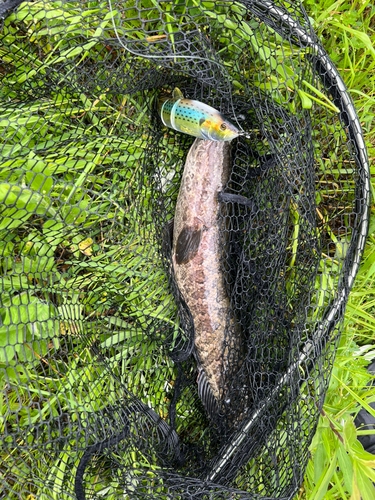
{"x":195,"y":118}
{"x":196,"y":258}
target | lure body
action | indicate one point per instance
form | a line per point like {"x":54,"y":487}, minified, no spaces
{"x":195,"y":118}
{"x":196,"y":256}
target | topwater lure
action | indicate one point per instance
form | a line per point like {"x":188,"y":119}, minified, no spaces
{"x":195,"y":118}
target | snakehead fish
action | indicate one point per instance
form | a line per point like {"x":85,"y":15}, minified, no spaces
{"x":195,"y":118}
{"x":196,"y":255}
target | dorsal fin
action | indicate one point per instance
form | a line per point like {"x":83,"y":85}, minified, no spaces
{"x":177,"y":94}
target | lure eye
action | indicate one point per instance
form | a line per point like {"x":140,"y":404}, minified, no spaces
{"x":223,"y":126}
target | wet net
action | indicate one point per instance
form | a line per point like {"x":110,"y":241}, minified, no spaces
{"x":103,"y":391}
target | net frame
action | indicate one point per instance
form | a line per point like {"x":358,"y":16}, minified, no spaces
{"x":276,"y":17}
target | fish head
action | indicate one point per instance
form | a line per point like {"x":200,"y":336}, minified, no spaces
{"x":218,"y":128}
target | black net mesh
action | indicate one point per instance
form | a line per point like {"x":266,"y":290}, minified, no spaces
{"x":103,"y":395}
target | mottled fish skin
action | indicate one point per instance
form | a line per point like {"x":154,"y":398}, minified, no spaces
{"x":196,"y":254}
{"x":197,"y":119}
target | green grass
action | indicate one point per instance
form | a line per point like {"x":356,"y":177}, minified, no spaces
{"x":339,"y":468}
{"x":74,"y":229}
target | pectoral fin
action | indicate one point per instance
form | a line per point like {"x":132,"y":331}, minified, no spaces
{"x":187,"y":244}
{"x":236,"y":198}
{"x":168,"y":232}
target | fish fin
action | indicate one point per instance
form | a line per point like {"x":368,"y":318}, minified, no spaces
{"x":236,"y":198}
{"x":170,"y":224}
{"x":168,"y":232}
{"x":177,"y":94}
{"x":206,"y":396}
{"x":187,"y":245}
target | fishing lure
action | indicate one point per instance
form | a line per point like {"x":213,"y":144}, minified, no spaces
{"x":195,"y":118}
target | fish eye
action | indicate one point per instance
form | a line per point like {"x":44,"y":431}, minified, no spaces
{"x":223,"y":126}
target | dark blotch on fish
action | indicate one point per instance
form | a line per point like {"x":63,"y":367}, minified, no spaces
{"x":187,"y":244}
